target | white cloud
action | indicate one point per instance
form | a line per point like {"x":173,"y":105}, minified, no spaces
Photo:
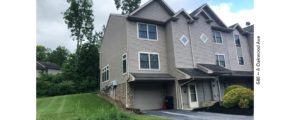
{"x":224,"y":12}
{"x":52,"y":31}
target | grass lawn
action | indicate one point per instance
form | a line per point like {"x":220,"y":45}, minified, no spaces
{"x":86,"y":106}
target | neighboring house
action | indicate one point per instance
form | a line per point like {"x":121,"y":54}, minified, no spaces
{"x":46,"y":67}
{"x":155,"y":52}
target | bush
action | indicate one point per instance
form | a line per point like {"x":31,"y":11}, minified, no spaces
{"x":242,"y":97}
{"x":244,"y":103}
{"x":232,"y":87}
{"x":51,"y":85}
{"x":66,"y":87}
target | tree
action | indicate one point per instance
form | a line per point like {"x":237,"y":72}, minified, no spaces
{"x":59,"y":55}
{"x":98,"y":37}
{"x":79,"y":19}
{"x":42,"y":53}
{"x":88,"y":67}
{"x":127,"y":6}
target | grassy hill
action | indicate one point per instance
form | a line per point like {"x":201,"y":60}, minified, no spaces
{"x":86,"y":106}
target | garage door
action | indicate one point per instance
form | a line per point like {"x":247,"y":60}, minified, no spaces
{"x":148,"y":96}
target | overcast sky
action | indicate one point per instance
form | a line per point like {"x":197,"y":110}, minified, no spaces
{"x":52,"y":31}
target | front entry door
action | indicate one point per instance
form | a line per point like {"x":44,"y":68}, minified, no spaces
{"x":193,"y":99}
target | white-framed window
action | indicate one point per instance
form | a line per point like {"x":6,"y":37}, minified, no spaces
{"x":241,"y":60}
{"x":105,"y":73}
{"x":149,"y":61}
{"x":237,"y":41}
{"x":239,"y":49}
{"x":147,"y":31}
{"x":220,"y":60}
{"x":184,"y":40}
{"x":124,"y":63}
{"x":217,"y":37}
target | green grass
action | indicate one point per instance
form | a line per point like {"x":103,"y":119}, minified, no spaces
{"x":86,"y":106}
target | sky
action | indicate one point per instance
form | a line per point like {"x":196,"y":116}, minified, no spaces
{"x":53,"y":32}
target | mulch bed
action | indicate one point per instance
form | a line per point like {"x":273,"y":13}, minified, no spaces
{"x":216,"y":108}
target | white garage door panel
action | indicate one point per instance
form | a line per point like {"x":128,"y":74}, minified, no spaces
{"x":148,"y":97}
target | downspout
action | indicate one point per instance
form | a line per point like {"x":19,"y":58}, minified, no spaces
{"x":127,"y":66}
{"x":188,"y":27}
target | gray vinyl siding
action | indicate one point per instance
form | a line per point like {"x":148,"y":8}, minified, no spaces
{"x":140,"y":45}
{"x":245,"y":53}
{"x":205,"y":52}
{"x":154,"y":11}
{"x":204,"y":91}
{"x":183,"y":56}
{"x":113,"y":46}
{"x":251,"y":46}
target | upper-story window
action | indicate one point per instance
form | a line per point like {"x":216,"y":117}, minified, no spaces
{"x":241,"y":60}
{"x":147,"y":31}
{"x":105,"y":73}
{"x":237,"y":41}
{"x":239,"y":50}
{"x":217,"y":37}
{"x":148,"y":60}
{"x":124,"y":63}
{"x":220,"y":60}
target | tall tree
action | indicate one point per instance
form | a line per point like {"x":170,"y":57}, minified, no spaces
{"x":79,"y":19}
{"x":59,"y":55}
{"x":42,"y":53}
{"x":98,"y":37}
{"x":127,"y":6}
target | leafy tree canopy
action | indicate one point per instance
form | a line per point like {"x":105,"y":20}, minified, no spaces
{"x":79,"y":19}
{"x":127,"y":6}
{"x":42,"y":53}
{"x":59,"y":55}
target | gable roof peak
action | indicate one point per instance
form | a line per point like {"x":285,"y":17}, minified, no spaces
{"x":184,"y":13}
{"x":205,"y":8}
{"x":161,"y":2}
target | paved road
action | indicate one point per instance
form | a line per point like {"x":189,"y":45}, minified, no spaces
{"x":188,"y":115}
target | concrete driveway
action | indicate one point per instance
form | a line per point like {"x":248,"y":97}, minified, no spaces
{"x":188,"y":115}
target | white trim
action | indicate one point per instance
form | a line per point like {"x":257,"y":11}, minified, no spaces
{"x":203,"y":36}
{"x":156,"y":53}
{"x":237,"y":49}
{"x":180,"y":11}
{"x":141,"y":7}
{"x":184,"y":43}
{"x":186,"y":75}
{"x":224,"y":58}
{"x":147,"y":3}
{"x":189,"y":94}
{"x":102,"y":70}
{"x":214,"y":39}
{"x":137,"y":24}
{"x":123,"y":73}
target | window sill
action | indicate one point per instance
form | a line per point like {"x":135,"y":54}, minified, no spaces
{"x":147,"y":39}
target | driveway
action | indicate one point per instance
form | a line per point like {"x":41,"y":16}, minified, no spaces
{"x":188,"y":115}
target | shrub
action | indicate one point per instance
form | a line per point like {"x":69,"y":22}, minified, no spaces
{"x":66,"y":87}
{"x":244,"y":103}
{"x":243,"y":97}
{"x":232,"y":87}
